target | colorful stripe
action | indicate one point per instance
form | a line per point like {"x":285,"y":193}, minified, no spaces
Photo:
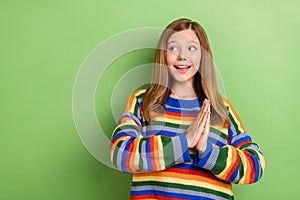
{"x":164,"y":167}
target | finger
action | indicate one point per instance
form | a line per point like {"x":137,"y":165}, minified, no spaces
{"x":208,"y":108}
{"x":208,"y":105}
{"x":204,"y":136}
{"x":202,"y":120}
{"x":202,"y":132}
{"x":205,"y":108}
{"x":193,"y":130}
{"x":207,"y":125}
{"x":197,"y":120}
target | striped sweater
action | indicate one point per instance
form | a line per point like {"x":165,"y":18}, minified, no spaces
{"x":162,"y":165}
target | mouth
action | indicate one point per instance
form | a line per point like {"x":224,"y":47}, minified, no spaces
{"x":182,"y":67}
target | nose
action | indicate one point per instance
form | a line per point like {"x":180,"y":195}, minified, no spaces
{"x":181,"y":56}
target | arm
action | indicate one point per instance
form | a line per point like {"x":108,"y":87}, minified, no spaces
{"x":132,"y":151}
{"x":241,"y":161}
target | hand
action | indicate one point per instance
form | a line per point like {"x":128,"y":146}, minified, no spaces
{"x":202,"y":142}
{"x":199,"y":126}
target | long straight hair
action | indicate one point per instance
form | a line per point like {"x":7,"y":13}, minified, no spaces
{"x":204,"y":85}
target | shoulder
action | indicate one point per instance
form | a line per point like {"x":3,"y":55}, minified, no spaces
{"x":139,"y":92}
{"x":137,"y":95}
{"x":227,"y":103}
{"x":233,"y":116}
{"x":229,"y":107}
{"x":135,"y":100}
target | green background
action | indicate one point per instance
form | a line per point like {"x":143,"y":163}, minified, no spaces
{"x":43,"y":43}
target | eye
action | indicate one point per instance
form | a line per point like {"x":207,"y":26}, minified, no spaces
{"x":192,"y":48}
{"x":172,"y":48}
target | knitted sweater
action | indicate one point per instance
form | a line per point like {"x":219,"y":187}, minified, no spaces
{"x":162,"y":165}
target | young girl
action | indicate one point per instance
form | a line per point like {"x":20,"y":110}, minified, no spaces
{"x":179,"y":137}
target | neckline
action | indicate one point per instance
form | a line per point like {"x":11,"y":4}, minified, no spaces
{"x":188,"y":103}
{"x":179,"y":99}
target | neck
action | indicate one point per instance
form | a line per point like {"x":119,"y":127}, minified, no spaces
{"x":183,"y":90}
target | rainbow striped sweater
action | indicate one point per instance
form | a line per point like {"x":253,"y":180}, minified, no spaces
{"x":162,"y":165}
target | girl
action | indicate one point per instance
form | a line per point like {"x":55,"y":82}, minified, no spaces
{"x":179,"y":137}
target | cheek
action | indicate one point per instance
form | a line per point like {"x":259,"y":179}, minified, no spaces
{"x":196,"y":60}
{"x":171,"y":58}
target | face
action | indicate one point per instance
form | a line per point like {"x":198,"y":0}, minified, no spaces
{"x":183,"y":55}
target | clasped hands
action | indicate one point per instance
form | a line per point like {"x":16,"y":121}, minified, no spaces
{"x":197,"y":133}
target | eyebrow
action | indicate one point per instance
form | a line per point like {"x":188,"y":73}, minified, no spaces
{"x":191,"y":41}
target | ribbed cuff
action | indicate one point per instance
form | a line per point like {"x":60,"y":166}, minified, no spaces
{"x":201,"y":159}
{"x":184,"y":149}
{"x":207,"y":151}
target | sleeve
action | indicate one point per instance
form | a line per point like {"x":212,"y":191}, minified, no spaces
{"x":132,"y":151}
{"x":241,"y":161}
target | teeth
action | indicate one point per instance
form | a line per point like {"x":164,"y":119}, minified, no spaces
{"x":182,"y":67}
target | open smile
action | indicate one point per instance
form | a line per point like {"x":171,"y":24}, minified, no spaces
{"x":182,"y":67}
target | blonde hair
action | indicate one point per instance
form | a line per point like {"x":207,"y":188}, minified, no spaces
{"x":205,"y":84}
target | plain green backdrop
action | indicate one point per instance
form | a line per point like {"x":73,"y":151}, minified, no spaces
{"x":43,"y":44}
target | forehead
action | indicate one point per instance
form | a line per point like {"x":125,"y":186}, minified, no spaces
{"x":184,"y":36}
